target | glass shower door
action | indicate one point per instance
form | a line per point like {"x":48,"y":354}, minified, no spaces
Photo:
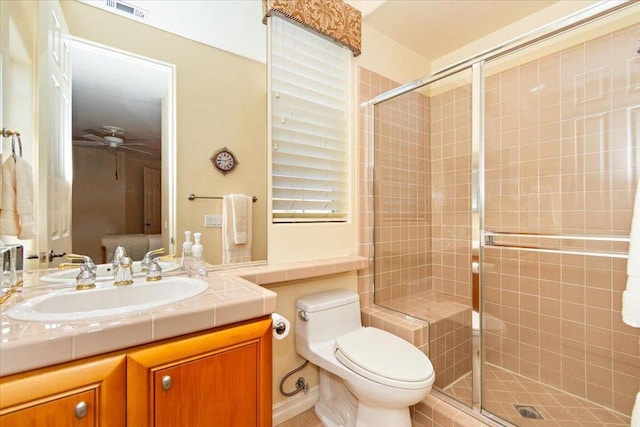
{"x":561,"y":143}
{"x":422,"y":219}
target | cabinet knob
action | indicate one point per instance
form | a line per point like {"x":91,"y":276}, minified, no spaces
{"x":81,"y":410}
{"x":166,"y":382}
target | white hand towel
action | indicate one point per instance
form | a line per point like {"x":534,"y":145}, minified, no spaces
{"x":635,"y":414}
{"x":24,"y":199}
{"x":631,"y":296}
{"x":9,"y":223}
{"x":0,"y":180}
{"x":232,"y":252}
{"x":241,"y":209}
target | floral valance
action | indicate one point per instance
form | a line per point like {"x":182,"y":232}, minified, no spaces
{"x":332,"y":18}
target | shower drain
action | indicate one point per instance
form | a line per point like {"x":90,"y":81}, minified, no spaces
{"x":527,"y":411}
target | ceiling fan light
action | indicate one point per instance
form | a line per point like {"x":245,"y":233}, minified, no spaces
{"x":113,"y":141}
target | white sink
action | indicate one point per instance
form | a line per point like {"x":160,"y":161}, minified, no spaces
{"x":103,"y":272}
{"x":106,"y":300}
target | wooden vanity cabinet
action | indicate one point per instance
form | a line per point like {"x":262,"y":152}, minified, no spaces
{"x":222,"y":378}
{"x":218,"y":378}
{"x":76,"y":394}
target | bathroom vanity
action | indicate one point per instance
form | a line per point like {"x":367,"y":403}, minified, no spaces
{"x":200,"y":361}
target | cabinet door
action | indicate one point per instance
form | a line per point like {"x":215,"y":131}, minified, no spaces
{"x":217,"y":390}
{"x":221,"y":378}
{"x":48,"y":397}
{"x":77,"y":410}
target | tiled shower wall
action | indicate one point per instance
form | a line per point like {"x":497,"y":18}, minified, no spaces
{"x":561,"y":147}
{"x":370,"y":85}
{"x":450,"y":193}
{"x":422,"y":217}
{"x":401,"y":212}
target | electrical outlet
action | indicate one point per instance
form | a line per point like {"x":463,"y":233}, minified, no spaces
{"x":212,"y":221}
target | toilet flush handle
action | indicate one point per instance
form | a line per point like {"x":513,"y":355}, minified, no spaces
{"x":303,"y":315}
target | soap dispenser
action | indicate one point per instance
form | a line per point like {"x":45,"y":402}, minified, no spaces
{"x":197,"y":269}
{"x":185,"y":263}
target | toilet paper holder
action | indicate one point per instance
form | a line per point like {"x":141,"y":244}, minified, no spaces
{"x":279,"y":327}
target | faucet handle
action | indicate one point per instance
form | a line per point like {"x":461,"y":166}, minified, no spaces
{"x":86,"y":260}
{"x":156,"y":252}
{"x":119,"y":252}
{"x":147,"y":259}
{"x":86,"y":279}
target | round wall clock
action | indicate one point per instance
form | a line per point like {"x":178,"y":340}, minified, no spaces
{"x":224,"y":160}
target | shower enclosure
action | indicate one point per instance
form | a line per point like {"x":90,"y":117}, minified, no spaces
{"x":503,"y":190}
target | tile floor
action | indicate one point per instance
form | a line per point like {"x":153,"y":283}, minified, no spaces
{"x":305,"y":419}
{"x":308,"y":419}
{"x":503,"y":389}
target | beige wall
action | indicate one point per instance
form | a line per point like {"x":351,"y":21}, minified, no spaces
{"x":134,"y":166}
{"x":221,"y":101}
{"x":285,"y":357}
{"x":98,"y":198}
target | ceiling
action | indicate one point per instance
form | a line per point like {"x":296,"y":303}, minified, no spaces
{"x":107,"y":89}
{"x":433,"y":28}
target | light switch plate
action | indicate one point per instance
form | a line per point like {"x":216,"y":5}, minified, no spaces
{"x":212,"y":221}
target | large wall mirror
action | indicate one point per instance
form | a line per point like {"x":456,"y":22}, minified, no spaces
{"x":123,"y":119}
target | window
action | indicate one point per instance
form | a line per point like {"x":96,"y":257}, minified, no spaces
{"x":309,"y":132}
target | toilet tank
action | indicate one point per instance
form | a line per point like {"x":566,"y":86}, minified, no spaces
{"x":329,"y":313}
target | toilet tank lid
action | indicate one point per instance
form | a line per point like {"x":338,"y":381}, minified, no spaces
{"x":326,"y":300}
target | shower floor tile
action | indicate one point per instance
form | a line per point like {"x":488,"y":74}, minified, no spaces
{"x":504,"y":389}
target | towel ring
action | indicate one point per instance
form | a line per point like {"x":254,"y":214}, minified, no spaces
{"x":14,"y":137}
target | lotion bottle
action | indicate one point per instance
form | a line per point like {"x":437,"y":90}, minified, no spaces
{"x":198,"y":269}
{"x":185,"y":263}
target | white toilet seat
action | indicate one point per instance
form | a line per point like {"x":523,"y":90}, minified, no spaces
{"x":384,"y":358}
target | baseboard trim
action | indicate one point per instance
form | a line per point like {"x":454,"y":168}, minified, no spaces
{"x":292,"y":406}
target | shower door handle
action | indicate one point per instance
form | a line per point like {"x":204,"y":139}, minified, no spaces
{"x":475,"y":282}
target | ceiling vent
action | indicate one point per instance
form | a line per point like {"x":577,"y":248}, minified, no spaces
{"x":126,"y":9}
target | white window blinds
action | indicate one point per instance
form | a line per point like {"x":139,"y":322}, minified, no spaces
{"x":309,"y":77}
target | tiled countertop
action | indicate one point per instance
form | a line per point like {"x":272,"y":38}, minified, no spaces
{"x":234,"y":295}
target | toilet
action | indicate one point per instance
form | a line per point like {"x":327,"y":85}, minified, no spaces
{"x":368,"y":377}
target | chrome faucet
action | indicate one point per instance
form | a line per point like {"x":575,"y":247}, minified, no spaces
{"x":123,"y":274}
{"x":86,"y":279}
{"x":148,"y":259}
{"x":10,"y":281}
{"x":154,"y":271}
{"x":76,"y":260}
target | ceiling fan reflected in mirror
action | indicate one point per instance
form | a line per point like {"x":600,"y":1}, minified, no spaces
{"x":112,"y":137}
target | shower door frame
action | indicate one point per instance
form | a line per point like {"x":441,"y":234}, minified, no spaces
{"x":478,"y":236}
